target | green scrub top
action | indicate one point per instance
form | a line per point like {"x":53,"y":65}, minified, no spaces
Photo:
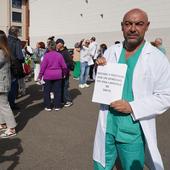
{"x":121,"y":125}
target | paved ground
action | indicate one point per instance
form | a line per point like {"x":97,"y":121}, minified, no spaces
{"x":61,"y":140}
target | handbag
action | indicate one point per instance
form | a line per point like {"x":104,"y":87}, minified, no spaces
{"x":26,"y":68}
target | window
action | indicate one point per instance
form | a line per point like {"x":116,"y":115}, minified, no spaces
{"x":20,"y":31}
{"x":16,"y":17}
{"x":17,"y":4}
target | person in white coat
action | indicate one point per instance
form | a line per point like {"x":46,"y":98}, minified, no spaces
{"x":126,"y":128}
{"x":85,"y":62}
{"x":93,"y":52}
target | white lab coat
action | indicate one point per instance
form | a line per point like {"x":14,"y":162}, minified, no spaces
{"x":93,"y":49}
{"x":151,"y":89}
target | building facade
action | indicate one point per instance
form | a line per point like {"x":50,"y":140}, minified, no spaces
{"x":15,"y":12}
{"x":77,"y":19}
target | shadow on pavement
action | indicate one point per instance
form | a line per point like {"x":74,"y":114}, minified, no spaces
{"x":12,"y":146}
{"x":74,"y":93}
{"x":31,"y":106}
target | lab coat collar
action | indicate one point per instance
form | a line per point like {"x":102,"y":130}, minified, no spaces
{"x":148,"y":48}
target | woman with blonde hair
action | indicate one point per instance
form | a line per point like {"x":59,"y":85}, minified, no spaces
{"x":7,"y":120}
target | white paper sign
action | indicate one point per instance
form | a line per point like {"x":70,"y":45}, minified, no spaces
{"x":109,"y":83}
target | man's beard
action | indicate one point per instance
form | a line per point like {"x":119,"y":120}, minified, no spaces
{"x":132,"y":43}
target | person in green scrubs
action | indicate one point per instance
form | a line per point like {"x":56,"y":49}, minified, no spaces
{"x":76,"y":59}
{"x":124,"y":137}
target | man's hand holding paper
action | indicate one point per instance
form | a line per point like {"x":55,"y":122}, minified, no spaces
{"x":121,"y":106}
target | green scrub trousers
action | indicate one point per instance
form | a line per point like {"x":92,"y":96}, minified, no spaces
{"x":76,"y":72}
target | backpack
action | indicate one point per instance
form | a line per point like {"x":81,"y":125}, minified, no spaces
{"x":16,"y":65}
{"x":71,"y":65}
{"x":68,"y":59}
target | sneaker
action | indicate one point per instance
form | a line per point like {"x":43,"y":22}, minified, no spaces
{"x":48,"y":109}
{"x":74,"y":78}
{"x":81,"y":86}
{"x":38,"y":83}
{"x":91,"y":80}
{"x":86,"y":85}
{"x":68,"y":104}
{"x":8,"y":133}
{"x":57,"y":109}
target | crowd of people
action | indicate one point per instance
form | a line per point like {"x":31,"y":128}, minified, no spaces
{"x":85,"y":54}
{"x":52,"y":67}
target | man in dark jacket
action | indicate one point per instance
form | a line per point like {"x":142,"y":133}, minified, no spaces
{"x":16,"y":57}
{"x":66,"y":98}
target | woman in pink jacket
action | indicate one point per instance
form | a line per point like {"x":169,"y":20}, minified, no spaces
{"x":52,"y":69}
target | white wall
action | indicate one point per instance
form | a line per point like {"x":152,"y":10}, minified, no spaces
{"x":62,"y":19}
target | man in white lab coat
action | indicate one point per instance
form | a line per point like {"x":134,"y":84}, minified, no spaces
{"x":126,"y":128}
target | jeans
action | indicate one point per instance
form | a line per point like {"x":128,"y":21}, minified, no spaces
{"x":66,"y":97}
{"x":84,"y":72}
{"x":13,"y":92}
{"x":55,"y":87}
